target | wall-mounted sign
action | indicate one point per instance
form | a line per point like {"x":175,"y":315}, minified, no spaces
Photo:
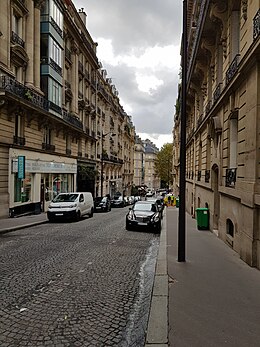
{"x":39,"y":166}
{"x":21,"y":166}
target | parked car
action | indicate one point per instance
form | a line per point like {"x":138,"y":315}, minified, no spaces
{"x":144,"y":214}
{"x":160,"y":203}
{"x":71,"y":206}
{"x":102,"y":204}
{"x":118,"y":201}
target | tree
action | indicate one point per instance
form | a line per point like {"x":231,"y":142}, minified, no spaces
{"x":163,"y":165}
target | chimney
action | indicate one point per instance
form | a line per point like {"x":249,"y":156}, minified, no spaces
{"x":83,"y":15}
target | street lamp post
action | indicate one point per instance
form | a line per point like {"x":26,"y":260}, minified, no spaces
{"x":182,"y":204}
{"x":102,"y":160}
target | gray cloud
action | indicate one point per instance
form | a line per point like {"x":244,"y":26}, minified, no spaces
{"x":133,"y":26}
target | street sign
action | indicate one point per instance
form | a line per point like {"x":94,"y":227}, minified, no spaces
{"x":21,"y":166}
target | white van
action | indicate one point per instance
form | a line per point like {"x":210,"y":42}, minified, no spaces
{"x":71,"y":206}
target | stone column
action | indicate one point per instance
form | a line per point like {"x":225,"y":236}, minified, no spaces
{"x":74,"y":78}
{"x":37,"y":41}
{"x":29,"y":44}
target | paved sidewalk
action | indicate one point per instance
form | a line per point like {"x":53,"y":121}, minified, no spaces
{"x":11,"y":224}
{"x":214,"y":297}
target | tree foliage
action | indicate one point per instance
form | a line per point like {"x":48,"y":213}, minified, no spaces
{"x":163,"y":163}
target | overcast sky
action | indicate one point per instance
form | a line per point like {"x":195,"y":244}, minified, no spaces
{"x":139,"y":46}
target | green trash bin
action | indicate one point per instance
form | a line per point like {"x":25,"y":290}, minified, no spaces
{"x":177,"y":202}
{"x":202,"y":218}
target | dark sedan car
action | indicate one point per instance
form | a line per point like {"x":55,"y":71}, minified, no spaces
{"x":159,"y":202}
{"x":118,"y":201}
{"x":102,"y":204}
{"x":144,"y":214}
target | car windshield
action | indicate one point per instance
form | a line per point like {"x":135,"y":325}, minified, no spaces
{"x":65,"y":197}
{"x":98,"y":199}
{"x":144,"y":207}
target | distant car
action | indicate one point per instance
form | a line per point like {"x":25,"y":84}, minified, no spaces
{"x":118,"y":201}
{"x":144,"y":214}
{"x":102,"y":204}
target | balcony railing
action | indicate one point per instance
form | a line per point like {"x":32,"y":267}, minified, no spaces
{"x":55,"y":66}
{"x":55,"y":107}
{"x":232,"y":69}
{"x":19,"y":140}
{"x":56,"y":27}
{"x":256,"y":25}
{"x":19,"y":90}
{"x":217,"y":92}
{"x":231,"y":177}
{"x":71,"y":119}
{"x":16,"y":39}
{"x":48,"y":147}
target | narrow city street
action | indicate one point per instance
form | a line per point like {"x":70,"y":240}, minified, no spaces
{"x":76,"y":284}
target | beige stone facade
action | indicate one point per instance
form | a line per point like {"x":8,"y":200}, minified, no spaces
{"x":223,"y":121}
{"x":151,"y":179}
{"x":58,"y":109}
{"x":139,"y":160}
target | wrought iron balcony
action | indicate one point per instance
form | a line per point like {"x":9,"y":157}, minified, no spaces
{"x":71,"y":119}
{"x":256,"y":25}
{"x":55,"y":67}
{"x":16,"y":39}
{"x":19,"y":140}
{"x":231,"y":177}
{"x":56,"y":27}
{"x":217,"y":92}
{"x":232,"y":69}
{"x":19,"y":90}
{"x":48,"y":147}
{"x":55,"y":107}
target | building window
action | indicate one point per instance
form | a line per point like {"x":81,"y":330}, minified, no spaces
{"x":19,"y":125}
{"x":56,"y":14}
{"x":47,"y":135}
{"x":230,"y":228}
{"x":22,"y":188}
{"x":55,"y":92}
{"x":233,"y":134}
{"x":55,"y":52}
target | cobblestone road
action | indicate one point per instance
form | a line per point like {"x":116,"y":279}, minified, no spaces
{"x":76,"y":284}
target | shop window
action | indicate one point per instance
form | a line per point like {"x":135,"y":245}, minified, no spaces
{"x":22,"y":188}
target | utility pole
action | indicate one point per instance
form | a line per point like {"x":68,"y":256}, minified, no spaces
{"x":182,"y":203}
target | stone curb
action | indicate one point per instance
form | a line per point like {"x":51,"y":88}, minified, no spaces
{"x":23,"y":226}
{"x":157,"y":331}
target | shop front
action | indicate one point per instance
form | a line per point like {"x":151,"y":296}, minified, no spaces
{"x":36,"y":179}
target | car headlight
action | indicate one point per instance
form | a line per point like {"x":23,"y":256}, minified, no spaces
{"x":73,"y":205}
{"x":131,"y":215}
{"x":155,"y":218}
{"x":50,"y":206}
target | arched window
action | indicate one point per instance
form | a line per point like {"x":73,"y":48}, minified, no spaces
{"x":230,"y":227}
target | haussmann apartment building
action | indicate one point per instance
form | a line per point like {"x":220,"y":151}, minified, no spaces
{"x":223,"y":121}
{"x":61,"y":121}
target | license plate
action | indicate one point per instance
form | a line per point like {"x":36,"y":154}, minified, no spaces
{"x":58,"y":214}
{"x":142,"y":223}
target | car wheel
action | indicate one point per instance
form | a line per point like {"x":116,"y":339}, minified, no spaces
{"x":91,"y":213}
{"x":158,"y":228}
{"x":127,"y":226}
{"x":78,"y":216}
